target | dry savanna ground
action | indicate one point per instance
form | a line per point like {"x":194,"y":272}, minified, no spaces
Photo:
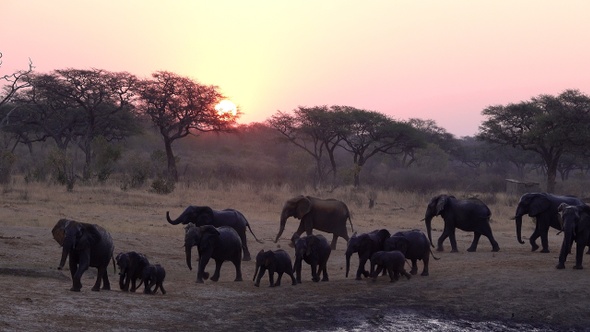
{"x":513,"y":285}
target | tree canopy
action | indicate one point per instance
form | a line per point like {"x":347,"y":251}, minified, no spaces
{"x":550,"y":126}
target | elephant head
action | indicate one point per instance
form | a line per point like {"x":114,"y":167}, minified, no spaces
{"x":532,"y":204}
{"x":354,"y":244}
{"x":296,"y":207}
{"x":201,"y":236}
{"x":79,"y":237}
{"x":436,"y":207}
{"x":263,"y":260}
{"x":572,"y":217}
{"x":198,"y":215}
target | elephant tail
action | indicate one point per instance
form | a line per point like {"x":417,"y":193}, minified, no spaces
{"x":114,"y":264}
{"x":254,"y":235}
{"x":350,"y":221}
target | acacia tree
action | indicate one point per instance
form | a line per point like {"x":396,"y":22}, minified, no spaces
{"x":75,"y":105}
{"x":550,"y":126}
{"x":178,"y":107}
{"x":368,"y":133}
{"x":314,"y":130}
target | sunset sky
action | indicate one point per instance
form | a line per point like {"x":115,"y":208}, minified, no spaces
{"x":440,"y":60}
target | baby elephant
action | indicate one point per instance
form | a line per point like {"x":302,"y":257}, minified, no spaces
{"x":277,"y":261}
{"x":392,"y":261}
{"x":153,"y":275}
{"x":315,"y":251}
{"x":131,"y":265}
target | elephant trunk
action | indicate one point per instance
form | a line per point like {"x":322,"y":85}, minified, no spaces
{"x":64,"y":255}
{"x":256,"y":271}
{"x":173,"y":222}
{"x":283,"y":222}
{"x":188,"y":252}
{"x":347,"y":263}
{"x":518,"y":220}
{"x":428,"y":222}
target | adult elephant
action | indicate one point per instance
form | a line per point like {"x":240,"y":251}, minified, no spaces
{"x":87,"y":245}
{"x":365,"y":245}
{"x":470,"y":215}
{"x":576,"y":227}
{"x":326,"y":215}
{"x":204,"y":215}
{"x":218,"y":243}
{"x":543,"y":208}
{"x":414,"y":245}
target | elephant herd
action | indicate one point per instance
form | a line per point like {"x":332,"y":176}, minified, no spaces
{"x":221,"y":236}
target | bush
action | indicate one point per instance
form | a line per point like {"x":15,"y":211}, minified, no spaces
{"x":163,"y":186}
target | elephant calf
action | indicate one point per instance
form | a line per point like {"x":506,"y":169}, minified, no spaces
{"x":131,"y":265}
{"x":315,"y":251}
{"x":153,"y":275}
{"x":365,"y":245}
{"x":274,"y":261}
{"x":392,"y":261}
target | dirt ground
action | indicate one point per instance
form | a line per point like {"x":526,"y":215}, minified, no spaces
{"x":513,"y":285}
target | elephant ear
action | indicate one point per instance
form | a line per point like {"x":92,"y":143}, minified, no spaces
{"x":59,"y":231}
{"x":205,"y":216}
{"x":303,"y":207}
{"x":209,"y":236}
{"x":441,"y":202}
{"x":538,"y":204}
{"x":402,"y":245}
{"x":269,"y":258}
{"x":86,"y":236}
{"x":312,"y":242}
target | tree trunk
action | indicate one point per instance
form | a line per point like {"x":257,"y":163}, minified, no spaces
{"x":172,"y":172}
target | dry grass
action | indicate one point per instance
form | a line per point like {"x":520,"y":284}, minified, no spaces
{"x":512,"y":285}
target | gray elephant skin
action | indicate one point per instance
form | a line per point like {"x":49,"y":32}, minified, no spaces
{"x":131,"y":265}
{"x":278,"y":262}
{"x":414,"y":245}
{"x":365,"y":245}
{"x":543,"y":208}
{"x":218,"y":243}
{"x":470,"y":215}
{"x":392,"y":261}
{"x":153,"y":275}
{"x":315,"y":251}
{"x":87,"y":245}
{"x":326,"y":215}
{"x":204,"y":215}
{"x":576,"y":227}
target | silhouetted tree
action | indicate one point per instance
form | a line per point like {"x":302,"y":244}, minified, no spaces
{"x":548,"y":125}
{"x":178,"y":107}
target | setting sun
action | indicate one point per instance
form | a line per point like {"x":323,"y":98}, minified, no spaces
{"x":226,"y":106}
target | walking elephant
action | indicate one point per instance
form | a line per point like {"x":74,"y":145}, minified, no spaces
{"x":87,"y":245}
{"x":365,"y":245}
{"x":277,"y":261}
{"x":392,"y":261}
{"x":204,"y":215}
{"x":576,"y":227}
{"x":131,"y":265}
{"x":153,"y":275}
{"x":470,"y":215}
{"x":414,"y":245}
{"x":315,"y":251}
{"x":219,"y":243}
{"x":543,"y":208}
{"x":326,"y":215}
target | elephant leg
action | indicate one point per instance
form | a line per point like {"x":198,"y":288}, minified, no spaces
{"x":414,"y":269}
{"x":293,"y":280}
{"x":533,"y":238}
{"x":297,"y":268}
{"x":361,"y":269}
{"x":314,"y":273}
{"x":324,"y":269}
{"x":162,"y":288}
{"x":238,"y":266}
{"x":106,"y":285}
{"x":247,"y":256}
{"x":544,"y":239}
{"x":579,"y":254}
{"x":334,"y":240}
{"x":441,"y":239}
{"x":201,"y":274}
{"x":122,"y":282}
{"x":473,"y":247}
{"x":99,"y":276}
{"x":425,"y":260}
{"x":216,"y":274}
{"x":453,"y":241}
{"x":279,"y":277}
{"x":406,"y":274}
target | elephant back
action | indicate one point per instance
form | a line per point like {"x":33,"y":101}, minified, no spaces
{"x":102,"y":252}
{"x":229,"y":241}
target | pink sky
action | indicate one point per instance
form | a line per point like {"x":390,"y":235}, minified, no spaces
{"x":440,"y":60}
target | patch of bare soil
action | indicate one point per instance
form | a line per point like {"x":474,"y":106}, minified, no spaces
{"x":513,"y":285}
